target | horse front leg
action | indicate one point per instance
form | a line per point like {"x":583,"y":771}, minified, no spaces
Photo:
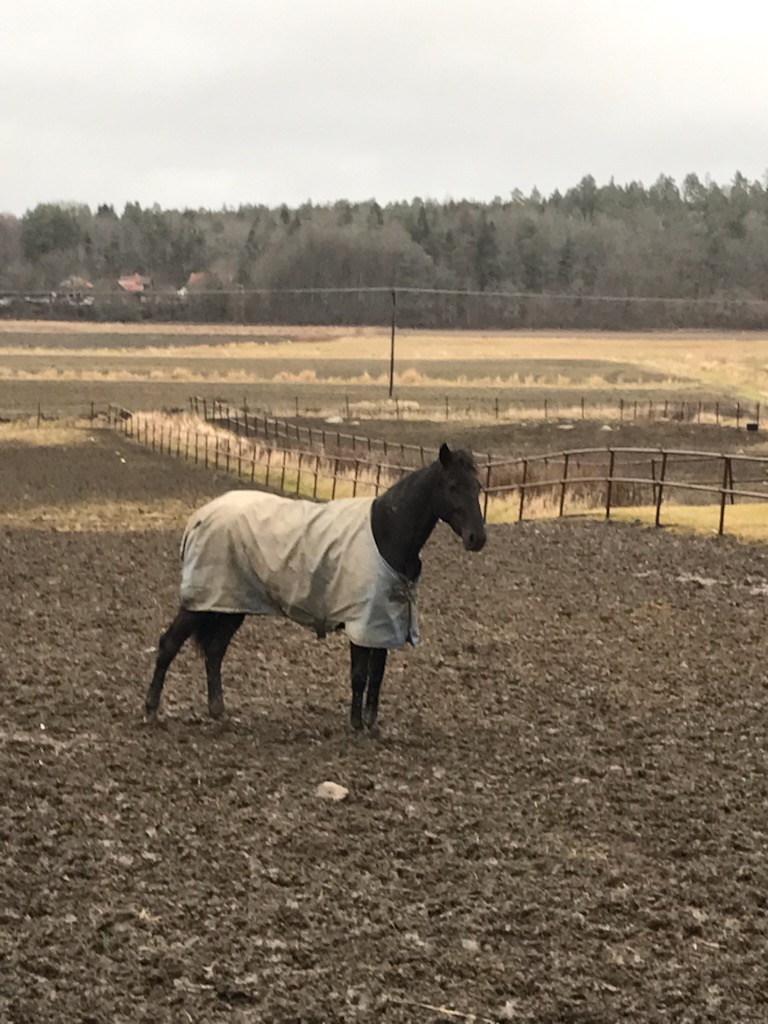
{"x":377,"y":662}
{"x":360,"y":658}
{"x":168,"y":647}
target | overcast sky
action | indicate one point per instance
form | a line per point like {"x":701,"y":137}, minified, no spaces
{"x":222,"y":102}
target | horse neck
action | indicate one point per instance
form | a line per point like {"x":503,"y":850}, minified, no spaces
{"x":403,"y":519}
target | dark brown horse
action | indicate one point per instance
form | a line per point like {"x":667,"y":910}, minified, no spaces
{"x":401,"y":521}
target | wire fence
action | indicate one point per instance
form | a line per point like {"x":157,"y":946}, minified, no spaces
{"x":406,"y":307}
{"x":721,"y":412}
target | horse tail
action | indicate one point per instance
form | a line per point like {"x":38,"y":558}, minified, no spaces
{"x":206,"y":627}
{"x":210,"y":625}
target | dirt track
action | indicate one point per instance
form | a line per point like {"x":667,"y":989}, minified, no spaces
{"x":564,"y":821}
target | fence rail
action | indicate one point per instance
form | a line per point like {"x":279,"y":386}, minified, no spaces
{"x":287,"y":470}
{"x":575,"y":481}
{"x":612,"y":478}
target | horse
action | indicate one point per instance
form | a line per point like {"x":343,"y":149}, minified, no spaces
{"x":369,"y":545}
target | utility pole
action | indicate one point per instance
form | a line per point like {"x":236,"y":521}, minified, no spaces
{"x":392,"y":346}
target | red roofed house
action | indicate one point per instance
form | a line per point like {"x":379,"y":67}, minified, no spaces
{"x":135,"y":283}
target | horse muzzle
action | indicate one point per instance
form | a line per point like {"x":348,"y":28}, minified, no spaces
{"x":473,"y":539}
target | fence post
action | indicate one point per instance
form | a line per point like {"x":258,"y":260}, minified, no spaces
{"x":738,"y":415}
{"x":346,"y":405}
{"x":582,"y":406}
{"x":563,"y":484}
{"x":496,"y":406}
{"x":245,"y":415}
{"x":298,"y":473}
{"x":609,"y":489}
{"x":546,"y":409}
{"x":357,"y":474}
{"x":726,"y":474}
{"x":447,"y":409}
{"x":378,"y":478}
{"x":660,"y":487}
{"x":92,"y":413}
{"x":205,"y":409}
{"x":522,"y":490}
{"x":39,"y":414}
{"x":206,"y":451}
{"x":621,"y":409}
{"x":335,"y":477}
{"x":487,"y":486}
{"x":282,"y":471}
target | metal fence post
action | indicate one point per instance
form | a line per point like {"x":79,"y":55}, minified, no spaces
{"x":660,"y":487}
{"x":563,"y":484}
{"x":523,"y":483}
{"x":726,"y":475}
{"x":609,"y":489}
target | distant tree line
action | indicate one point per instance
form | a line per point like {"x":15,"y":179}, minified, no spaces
{"x":610,"y":255}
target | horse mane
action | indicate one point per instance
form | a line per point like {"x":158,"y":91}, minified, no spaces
{"x":459,"y":457}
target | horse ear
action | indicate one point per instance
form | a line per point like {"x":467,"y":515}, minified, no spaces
{"x":445,"y":455}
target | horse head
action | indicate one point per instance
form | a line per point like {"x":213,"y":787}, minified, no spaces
{"x":458,"y":499}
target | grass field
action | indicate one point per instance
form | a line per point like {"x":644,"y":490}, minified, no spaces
{"x":328,"y":371}
{"x":730,"y":364}
{"x":508,"y":393}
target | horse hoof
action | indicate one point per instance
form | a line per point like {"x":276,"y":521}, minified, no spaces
{"x":370,"y":719}
{"x":216,"y":708}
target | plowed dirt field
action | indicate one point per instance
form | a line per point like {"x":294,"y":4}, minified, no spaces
{"x":564,"y":820}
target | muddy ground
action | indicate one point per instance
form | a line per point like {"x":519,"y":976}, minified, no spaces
{"x":564,"y":820}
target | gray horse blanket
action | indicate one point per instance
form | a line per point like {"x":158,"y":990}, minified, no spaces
{"x":318,"y":564}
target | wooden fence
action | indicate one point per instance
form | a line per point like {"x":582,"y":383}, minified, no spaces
{"x":269,"y":429}
{"x":576,"y":481}
{"x":286,"y":470}
{"x":614,"y":477}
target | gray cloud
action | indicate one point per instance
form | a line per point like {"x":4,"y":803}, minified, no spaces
{"x":195,"y":104}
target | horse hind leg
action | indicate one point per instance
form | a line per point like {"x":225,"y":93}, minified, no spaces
{"x":213,"y":639}
{"x":168,"y":647}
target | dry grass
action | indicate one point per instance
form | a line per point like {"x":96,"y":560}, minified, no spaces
{"x":288,"y":471}
{"x":748,"y":521}
{"x":101,"y":516}
{"x":57,"y":432}
{"x":730,"y":361}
